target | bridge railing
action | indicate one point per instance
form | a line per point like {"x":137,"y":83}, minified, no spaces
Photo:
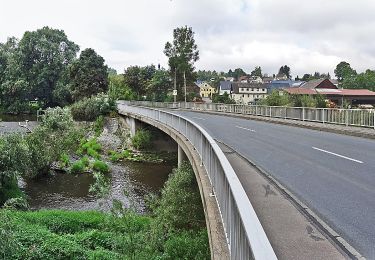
{"x":245,"y":235}
{"x":348,"y":117}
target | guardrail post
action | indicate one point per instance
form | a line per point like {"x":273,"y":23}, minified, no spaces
{"x":323,"y":112}
{"x":303,"y":114}
{"x":270,"y":111}
{"x":347,"y":117}
{"x":373,"y":112}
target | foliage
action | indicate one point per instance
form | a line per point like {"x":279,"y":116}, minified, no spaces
{"x":285,"y":70}
{"x":118,"y":89}
{"x":100,"y":166}
{"x":159,"y":85}
{"x":34,"y":67}
{"x":182,"y":53}
{"x":225,"y":98}
{"x":77,"y":167}
{"x":64,"y":160}
{"x":180,"y":197}
{"x":18,"y":203}
{"x":88,"y":75}
{"x":88,"y":109}
{"x":138,"y":78}
{"x":275,"y":99}
{"x":237,"y":73}
{"x":58,"y":234}
{"x":141,"y":139}
{"x":98,"y":125}
{"x":55,"y":136}
{"x":101,"y":186}
{"x":257,"y":72}
{"x":90,"y":147}
{"x":344,"y":71}
{"x":14,"y":161}
{"x":365,"y":80}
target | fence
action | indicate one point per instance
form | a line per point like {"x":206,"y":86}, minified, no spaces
{"x":348,"y":117}
{"x":245,"y":236}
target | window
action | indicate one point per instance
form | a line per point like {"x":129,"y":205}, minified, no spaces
{"x":248,"y":95}
{"x":247,"y":89}
{"x":252,"y":89}
{"x":257,"y":89}
{"x":263,"y":90}
{"x":243,"y":95}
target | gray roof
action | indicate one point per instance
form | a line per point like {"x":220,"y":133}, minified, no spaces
{"x":225,"y":85}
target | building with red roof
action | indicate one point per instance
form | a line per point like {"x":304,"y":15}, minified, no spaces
{"x":333,"y":93}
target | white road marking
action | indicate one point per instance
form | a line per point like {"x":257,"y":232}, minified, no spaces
{"x":198,"y":118}
{"x":338,"y":155}
{"x":251,"y":130}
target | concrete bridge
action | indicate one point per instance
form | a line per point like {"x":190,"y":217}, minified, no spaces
{"x":271,"y":191}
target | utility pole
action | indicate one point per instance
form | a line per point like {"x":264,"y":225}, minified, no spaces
{"x":185,"y":85}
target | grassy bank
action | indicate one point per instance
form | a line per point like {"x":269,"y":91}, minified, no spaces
{"x":174,"y":230}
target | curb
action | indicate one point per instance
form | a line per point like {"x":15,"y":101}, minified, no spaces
{"x":331,"y":234}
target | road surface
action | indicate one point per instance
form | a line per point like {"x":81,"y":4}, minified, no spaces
{"x":333,"y":174}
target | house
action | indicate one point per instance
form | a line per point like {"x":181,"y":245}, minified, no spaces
{"x":267,"y":79}
{"x":225,"y":87}
{"x":206,"y":90}
{"x":255,"y":79}
{"x":248,"y":93}
{"x":281,"y":76}
{"x":333,"y":93}
{"x":243,"y":79}
{"x":231,"y":79}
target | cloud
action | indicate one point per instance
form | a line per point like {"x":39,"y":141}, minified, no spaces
{"x":308,"y":36}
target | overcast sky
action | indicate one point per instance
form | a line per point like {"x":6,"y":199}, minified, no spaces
{"x":308,"y":36}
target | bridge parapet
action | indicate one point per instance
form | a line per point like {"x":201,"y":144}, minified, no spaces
{"x":348,"y":117}
{"x":245,"y":236}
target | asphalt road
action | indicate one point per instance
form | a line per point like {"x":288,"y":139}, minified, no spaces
{"x":333,"y":174}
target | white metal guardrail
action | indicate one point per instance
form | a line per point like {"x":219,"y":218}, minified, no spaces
{"x":245,"y":235}
{"x":348,"y":117}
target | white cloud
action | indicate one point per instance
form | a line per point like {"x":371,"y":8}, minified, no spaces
{"x":309,"y":36}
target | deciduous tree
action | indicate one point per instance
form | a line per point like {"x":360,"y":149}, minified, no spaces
{"x":88,"y":75}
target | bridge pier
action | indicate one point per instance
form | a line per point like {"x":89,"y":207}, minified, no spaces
{"x":133,"y":124}
{"x":181,"y":156}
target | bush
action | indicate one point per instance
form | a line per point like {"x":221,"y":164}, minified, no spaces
{"x":88,"y":109}
{"x":98,"y":125}
{"x":100,"y":166}
{"x":141,"y":139}
{"x":77,"y":167}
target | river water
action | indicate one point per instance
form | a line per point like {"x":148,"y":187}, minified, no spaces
{"x":130,"y":182}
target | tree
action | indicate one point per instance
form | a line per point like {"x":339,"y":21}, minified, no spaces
{"x":159,"y":85}
{"x":88,"y":75}
{"x":365,"y":80}
{"x":182,"y":54}
{"x":257,"y":72}
{"x":285,"y":70}
{"x":343,"y":70}
{"x":238,"y":73}
{"x":41,"y":57}
{"x":118,"y":89}
{"x":138,"y":79}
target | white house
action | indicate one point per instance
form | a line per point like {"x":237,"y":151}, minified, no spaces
{"x":248,"y":93}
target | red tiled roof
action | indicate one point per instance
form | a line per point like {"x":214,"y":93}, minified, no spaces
{"x":338,"y":92}
{"x":357,"y":92}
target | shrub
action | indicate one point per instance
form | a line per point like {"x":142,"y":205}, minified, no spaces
{"x":141,"y":139}
{"x":88,"y":109}
{"x":98,"y":125}
{"x":77,"y":167}
{"x":100,"y":166}
{"x":64,"y":160}
{"x":18,"y":203}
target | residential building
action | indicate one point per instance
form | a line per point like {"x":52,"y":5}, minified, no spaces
{"x":225,"y":87}
{"x":248,"y":93}
{"x":333,"y":93}
{"x":206,"y":90}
